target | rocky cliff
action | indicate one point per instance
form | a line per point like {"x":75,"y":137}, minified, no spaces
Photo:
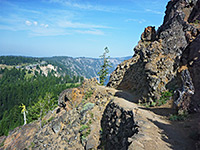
{"x":166,"y":59}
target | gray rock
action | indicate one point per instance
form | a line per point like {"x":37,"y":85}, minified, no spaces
{"x":56,"y":127}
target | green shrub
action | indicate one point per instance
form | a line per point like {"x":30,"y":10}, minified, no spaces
{"x":2,"y":144}
{"x":83,"y":127}
{"x":178,"y":117}
{"x":90,"y":121}
{"x":85,"y":131}
{"x":50,"y":119}
{"x":44,"y":122}
{"x":32,"y":145}
{"x":153,"y":104}
{"x":88,"y":94}
{"x":91,"y":115}
{"x":196,"y":21}
{"x":165,"y":96}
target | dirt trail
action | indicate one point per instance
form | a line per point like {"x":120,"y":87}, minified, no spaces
{"x":156,"y":132}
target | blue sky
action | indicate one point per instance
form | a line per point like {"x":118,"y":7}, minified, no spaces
{"x":75,"y":27}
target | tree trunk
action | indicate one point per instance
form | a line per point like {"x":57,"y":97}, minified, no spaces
{"x":24,"y":117}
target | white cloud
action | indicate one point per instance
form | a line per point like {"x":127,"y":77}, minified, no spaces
{"x":153,"y":11}
{"x":69,"y":24}
{"x":90,"y":6}
{"x":93,"y":32}
{"x":35,"y":23}
{"x":136,"y":20}
{"x":44,"y":25}
{"x":28,"y":23}
{"x":48,"y":32}
{"x":51,"y":22}
{"x":85,"y":6}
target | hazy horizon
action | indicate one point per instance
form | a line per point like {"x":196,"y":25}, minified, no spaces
{"x":65,"y":56}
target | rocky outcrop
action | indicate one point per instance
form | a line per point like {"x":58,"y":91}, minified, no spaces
{"x":195,"y":14}
{"x":182,"y":96}
{"x":118,"y":125}
{"x":20,"y":137}
{"x":191,"y":59}
{"x":77,"y":125}
{"x":149,"y":34}
{"x":154,"y":67}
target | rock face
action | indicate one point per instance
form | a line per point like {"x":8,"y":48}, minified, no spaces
{"x":149,"y":34}
{"x":118,"y":125}
{"x":191,"y":58}
{"x":154,"y":67}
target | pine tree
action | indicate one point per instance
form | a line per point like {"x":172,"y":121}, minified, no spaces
{"x":104,"y":68}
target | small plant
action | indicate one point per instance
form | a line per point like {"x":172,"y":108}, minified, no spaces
{"x":165,"y":96}
{"x":101,"y":131}
{"x":91,"y":115}
{"x":32,"y":145}
{"x":153,"y":104}
{"x":197,"y":22}
{"x":83,"y":127}
{"x":83,"y":100}
{"x":147,"y":105}
{"x":88,"y":94}
{"x":43,"y":123}
{"x":90,"y":121}
{"x":50,"y":119}
{"x":85,"y":131}
{"x":178,"y":117}
{"x":2,"y":144}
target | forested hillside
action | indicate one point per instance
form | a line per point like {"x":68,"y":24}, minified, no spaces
{"x":34,"y":63}
{"x":19,"y":86}
{"x":17,"y":60}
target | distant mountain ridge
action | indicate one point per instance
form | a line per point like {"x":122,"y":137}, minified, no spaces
{"x":85,"y":66}
{"x":78,"y":66}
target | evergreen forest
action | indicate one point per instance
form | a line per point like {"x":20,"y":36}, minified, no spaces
{"x":20,"y":86}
